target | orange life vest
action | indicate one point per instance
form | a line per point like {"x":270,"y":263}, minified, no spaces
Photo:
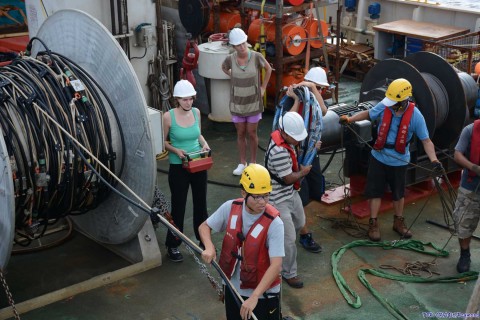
{"x":251,"y":249}
{"x":279,"y":141}
{"x":402,"y":134}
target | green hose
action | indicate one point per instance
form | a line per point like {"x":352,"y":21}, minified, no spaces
{"x":413,"y":245}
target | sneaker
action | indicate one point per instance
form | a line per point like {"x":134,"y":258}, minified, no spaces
{"x":174,"y":254}
{"x":294,"y":282}
{"x":239,"y":170}
{"x":309,"y":244}
{"x":463,"y":264}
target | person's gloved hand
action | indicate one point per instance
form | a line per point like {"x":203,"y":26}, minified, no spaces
{"x":344,"y":120}
{"x":437,"y":168}
{"x":476,"y":169}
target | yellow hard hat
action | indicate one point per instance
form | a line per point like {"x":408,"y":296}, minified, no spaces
{"x":398,"y":90}
{"x":255,"y":179}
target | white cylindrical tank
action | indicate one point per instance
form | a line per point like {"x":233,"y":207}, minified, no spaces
{"x":210,"y":61}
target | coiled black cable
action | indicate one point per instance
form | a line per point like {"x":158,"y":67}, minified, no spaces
{"x":51,"y":180}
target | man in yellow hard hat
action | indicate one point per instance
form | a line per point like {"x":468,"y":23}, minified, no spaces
{"x":252,"y":249}
{"x":399,"y":120}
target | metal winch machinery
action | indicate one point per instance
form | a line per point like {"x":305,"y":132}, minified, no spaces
{"x":445,"y":96}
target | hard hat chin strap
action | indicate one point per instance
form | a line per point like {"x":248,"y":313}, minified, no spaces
{"x":401,"y":105}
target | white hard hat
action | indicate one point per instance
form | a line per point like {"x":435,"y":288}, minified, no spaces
{"x":318,"y":76}
{"x":184,"y":89}
{"x":237,"y":36}
{"x":292,"y":124}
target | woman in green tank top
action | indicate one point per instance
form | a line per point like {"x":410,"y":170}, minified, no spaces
{"x":183,"y":134}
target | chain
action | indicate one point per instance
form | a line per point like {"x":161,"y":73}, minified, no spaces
{"x":204,"y":270}
{"x":160,"y":202}
{"x":9,"y":295}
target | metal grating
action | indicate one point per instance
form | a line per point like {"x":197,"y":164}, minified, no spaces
{"x":462,"y":52}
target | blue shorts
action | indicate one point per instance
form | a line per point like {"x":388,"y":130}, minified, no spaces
{"x":250,"y":119}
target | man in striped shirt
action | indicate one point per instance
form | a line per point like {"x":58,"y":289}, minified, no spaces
{"x":281,"y":162}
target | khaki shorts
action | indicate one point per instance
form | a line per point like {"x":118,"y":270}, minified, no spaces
{"x":467,"y":213}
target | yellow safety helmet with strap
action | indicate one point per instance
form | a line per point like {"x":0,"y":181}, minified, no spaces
{"x":398,"y":90}
{"x":255,"y":179}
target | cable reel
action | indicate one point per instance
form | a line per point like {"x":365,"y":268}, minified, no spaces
{"x":90,"y":45}
{"x":87,"y":43}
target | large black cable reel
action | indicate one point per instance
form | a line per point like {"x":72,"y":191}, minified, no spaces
{"x":443,"y":95}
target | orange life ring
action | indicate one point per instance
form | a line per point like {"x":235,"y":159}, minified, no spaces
{"x":312,"y":30}
{"x":293,"y":36}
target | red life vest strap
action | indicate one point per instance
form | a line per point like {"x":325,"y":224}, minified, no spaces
{"x":279,"y":141}
{"x":402,"y":134}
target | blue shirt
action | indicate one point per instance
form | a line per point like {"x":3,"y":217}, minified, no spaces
{"x":417,"y":125}
{"x":463,"y":146}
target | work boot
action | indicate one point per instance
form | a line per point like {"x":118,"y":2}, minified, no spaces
{"x":463,"y":264}
{"x":373,"y":230}
{"x":294,"y":282}
{"x":306,"y":240}
{"x":400,"y":228}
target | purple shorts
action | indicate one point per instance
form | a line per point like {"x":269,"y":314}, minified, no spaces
{"x":250,"y":119}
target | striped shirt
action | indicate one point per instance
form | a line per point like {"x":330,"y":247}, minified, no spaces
{"x":245,"y":92}
{"x":280,"y":164}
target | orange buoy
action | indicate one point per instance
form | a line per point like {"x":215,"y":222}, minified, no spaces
{"x":292,"y":36}
{"x":312,"y":30}
{"x":227,"y":20}
{"x":295,"y":75}
{"x":477,"y":68}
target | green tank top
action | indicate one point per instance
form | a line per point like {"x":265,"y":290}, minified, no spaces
{"x":185,"y":138}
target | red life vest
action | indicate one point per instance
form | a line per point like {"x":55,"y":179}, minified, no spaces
{"x":279,"y":141}
{"x":475,"y":147}
{"x":402,"y":134}
{"x":252,"y":250}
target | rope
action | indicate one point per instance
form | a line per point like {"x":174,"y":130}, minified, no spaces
{"x":353,"y":299}
{"x":412,"y":269}
{"x":159,"y":85}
